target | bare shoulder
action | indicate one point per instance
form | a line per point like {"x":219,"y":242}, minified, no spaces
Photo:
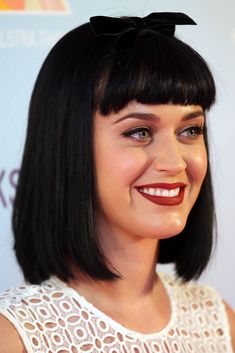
{"x":231,"y":318}
{"x":9,"y":339}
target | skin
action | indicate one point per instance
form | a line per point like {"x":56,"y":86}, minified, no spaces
{"x":129,"y":225}
{"x":166,"y":149}
{"x":170,"y":155}
{"x":10,"y":341}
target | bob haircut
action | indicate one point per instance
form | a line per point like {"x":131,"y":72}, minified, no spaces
{"x":54,"y":211}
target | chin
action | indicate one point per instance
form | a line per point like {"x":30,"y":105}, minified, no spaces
{"x":166,"y":231}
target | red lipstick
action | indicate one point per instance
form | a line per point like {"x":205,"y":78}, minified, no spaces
{"x":163,"y":200}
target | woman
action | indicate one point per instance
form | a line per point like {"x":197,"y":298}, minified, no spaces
{"x":116,"y":178}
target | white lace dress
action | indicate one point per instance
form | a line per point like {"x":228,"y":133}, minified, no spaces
{"x":53,"y":318}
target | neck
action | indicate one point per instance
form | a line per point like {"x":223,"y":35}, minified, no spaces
{"x":135,"y":260}
{"x":137,"y":300}
{"x":136,"y":263}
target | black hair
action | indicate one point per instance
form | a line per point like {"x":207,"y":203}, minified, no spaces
{"x":54,"y":210}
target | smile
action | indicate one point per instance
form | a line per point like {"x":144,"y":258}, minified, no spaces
{"x":163,"y":193}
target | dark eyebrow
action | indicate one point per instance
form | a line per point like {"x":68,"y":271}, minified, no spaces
{"x":194,"y":115}
{"x":140,"y":116}
{"x":154,"y":117}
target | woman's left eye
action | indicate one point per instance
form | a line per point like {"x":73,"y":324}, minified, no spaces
{"x":192,"y":132}
{"x":141,"y":134}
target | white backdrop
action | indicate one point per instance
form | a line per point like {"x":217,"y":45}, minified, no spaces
{"x":26,"y":37}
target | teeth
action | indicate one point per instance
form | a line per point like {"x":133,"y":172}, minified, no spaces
{"x":166,"y":193}
{"x":158,"y":192}
{"x":172,"y":193}
{"x":161,"y":192}
{"x":151,"y":191}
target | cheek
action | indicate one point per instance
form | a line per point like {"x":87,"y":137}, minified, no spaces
{"x":123,"y":166}
{"x":197,"y":165}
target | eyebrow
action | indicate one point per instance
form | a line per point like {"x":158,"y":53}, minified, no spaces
{"x":154,"y":117}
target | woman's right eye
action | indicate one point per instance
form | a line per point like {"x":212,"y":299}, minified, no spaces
{"x":140,"y":134}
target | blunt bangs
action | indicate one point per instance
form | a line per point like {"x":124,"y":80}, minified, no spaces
{"x":157,"y":69}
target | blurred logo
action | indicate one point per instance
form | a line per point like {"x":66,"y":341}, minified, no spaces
{"x":8,"y":183}
{"x":34,"y":5}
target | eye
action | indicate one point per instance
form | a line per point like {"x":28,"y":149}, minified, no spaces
{"x":141,"y":134}
{"x":192,"y":132}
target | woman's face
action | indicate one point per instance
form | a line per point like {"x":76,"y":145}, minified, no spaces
{"x":150,"y":164}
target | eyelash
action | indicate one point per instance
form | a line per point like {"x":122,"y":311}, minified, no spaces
{"x":131,"y":132}
{"x":197,"y":129}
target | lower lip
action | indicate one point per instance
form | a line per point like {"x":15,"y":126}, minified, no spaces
{"x":165,"y":201}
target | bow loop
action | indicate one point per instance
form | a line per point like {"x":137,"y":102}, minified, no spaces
{"x":162,"y":22}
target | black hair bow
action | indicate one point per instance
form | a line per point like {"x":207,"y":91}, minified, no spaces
{"x":163,"y":22}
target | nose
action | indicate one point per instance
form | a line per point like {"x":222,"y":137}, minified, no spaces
{"x":169,"y":156}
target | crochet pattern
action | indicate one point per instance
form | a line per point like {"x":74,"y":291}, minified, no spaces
{"x":53,"y":318}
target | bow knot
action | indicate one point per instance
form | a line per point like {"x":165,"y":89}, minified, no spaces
{"x":138,"y":22}
{"x":163,"y":22}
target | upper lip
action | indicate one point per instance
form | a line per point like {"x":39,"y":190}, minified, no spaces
{"x":167,"y":186}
